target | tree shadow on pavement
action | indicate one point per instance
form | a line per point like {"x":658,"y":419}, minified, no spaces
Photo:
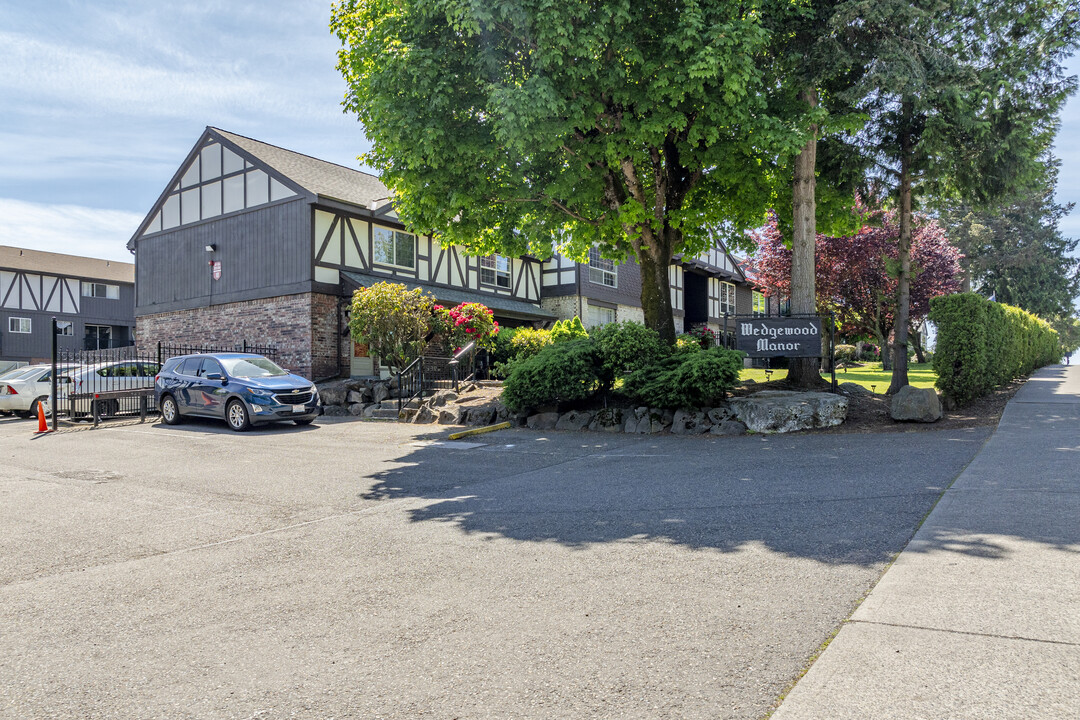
{"x":837,"y":499}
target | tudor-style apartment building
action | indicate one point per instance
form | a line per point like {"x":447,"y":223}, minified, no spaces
{"x":250,"y":241}
{"x":93,"y":300}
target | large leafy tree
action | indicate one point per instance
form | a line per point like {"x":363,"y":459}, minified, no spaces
{"x":517,"y":127}
{"x":962,"y":97}
{"x":855,"y":274}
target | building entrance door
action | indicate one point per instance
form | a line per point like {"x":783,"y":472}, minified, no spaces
{"x":98,"y":337}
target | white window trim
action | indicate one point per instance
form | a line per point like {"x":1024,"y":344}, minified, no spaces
{"x":394,"y":237}
{"x":601,"y":271}
{"x":112,"y":292}
{"x":496,"y":271}
{"x":727,"y":298}
{"x":29,"y":325}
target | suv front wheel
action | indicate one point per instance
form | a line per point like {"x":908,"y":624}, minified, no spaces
{"x":237,"y":416}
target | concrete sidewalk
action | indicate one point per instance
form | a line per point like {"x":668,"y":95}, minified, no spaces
{"x":980,"y":615}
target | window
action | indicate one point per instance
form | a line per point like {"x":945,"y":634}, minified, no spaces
{"x":601,"y":270}
{"x":100,"y":290}
{"x":759,"y":303}
{"x":600,"y":315}
{"x":727,"y":298}
{"x":65,"y":328}
{"x":393,"y":247}
{"x":495,"y":270}
{"x":19,"y":325}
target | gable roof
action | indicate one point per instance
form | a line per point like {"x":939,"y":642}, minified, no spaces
{"x":318,"y":177}
{"x":36,"y":261}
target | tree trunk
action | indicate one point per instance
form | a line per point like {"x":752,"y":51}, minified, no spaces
{"x":903,"y":280}
{"x":654,"y":259}
{"x":804,"y":372}
{"x":916,"y":340}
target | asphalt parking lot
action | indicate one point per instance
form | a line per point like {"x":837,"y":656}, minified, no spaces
{"x":357,"y":569}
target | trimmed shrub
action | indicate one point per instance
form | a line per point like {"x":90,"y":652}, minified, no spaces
{"x":686,"y":344}
{"x":686,"y":380}
{"x":624,"y":347}
{"x":983,"y":344}
{"x":558,"y":373}
{"x":564,"y":330}
{"x":845,"y":353}
{"x":524,"y":343}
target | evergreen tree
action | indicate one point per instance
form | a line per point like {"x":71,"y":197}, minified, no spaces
{"x":962,"y":97}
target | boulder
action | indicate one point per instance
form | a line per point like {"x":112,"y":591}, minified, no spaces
{"x":380,"y":392}
{"x":607,"y":420}
{"x":480,"y":415}
{"x":718,"y":415}
{"x":728,"y":427}
{"x":442,"y":397}
{"x":450,"y":415}
{"x":357,"y":409}
{"x":855,"y":389}
{"x":542,"y":421}
{"x":333,"y":393}
{"x":354,"y":396}
{"x":502,"y":413}
{"x":424,"y":415}
{"x":781,"y":411}
{"x":914,"y":404}
{"x":574,"y":420}
{"x":689,"y":422}
{"x":334,"y":411}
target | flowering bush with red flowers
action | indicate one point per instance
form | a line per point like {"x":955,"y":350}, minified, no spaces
{"x":704,"y":335}
{"x":468,"y":322}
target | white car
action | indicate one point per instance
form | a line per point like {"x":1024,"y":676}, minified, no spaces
{"x":21,"y":390}
{"x":112,"y":377}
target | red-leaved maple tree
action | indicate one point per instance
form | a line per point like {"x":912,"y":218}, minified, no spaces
{"x":856,"y":274}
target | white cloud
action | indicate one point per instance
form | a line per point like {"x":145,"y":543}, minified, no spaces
{"x":71,"y":229}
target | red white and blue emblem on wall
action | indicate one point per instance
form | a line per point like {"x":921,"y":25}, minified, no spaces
{"x":215,"y":269}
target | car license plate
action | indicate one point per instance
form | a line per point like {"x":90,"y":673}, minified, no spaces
{"x":298,"y":408}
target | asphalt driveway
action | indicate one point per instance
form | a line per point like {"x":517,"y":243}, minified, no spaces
{"x":363,"y":570}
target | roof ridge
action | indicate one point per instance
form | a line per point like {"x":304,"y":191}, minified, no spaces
{"x":294,"y":152}
{"x":68,"y":255}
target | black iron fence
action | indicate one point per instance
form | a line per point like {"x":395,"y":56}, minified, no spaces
{"x":119,"y":382}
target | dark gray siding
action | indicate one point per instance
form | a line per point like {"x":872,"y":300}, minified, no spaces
{"x":744,"y":299}
{"x":263,"y":253}
{"x":627,"y":292}
{"x":117,"y":314}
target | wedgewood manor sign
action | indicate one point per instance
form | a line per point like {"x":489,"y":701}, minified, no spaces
{"x":780,"y":337}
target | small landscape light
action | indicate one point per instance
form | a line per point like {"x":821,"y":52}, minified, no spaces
{"x":873,"y":389}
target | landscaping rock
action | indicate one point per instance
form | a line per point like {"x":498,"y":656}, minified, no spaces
{"x":424,"y":415}
{"x":450,"y":415}
{"x":916,"y":405}
{"x":442,"y":397}
{"x":689,"y":422}
{"x":608,"y":420}
{"x":574,"y":420}
{"x":356,"y":409}
{"x":543,"y":421}
{"x":355,"y":396}
{"x":502,"y":413}
{"x":855,"y":389}
{"x":728,"y":427}
{"x":333,"y":393}
{"x":334,"y":411}
{"x":781,"y":411}
{"x":718,"y":415}
{"x":380,"y":392}
{"x":481,"y":415}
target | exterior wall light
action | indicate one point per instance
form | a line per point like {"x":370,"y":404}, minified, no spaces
{"x":211,"y":248}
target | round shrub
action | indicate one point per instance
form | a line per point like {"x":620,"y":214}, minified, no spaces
{"x":846,"y":353}
{"x":624,"y":347}
{"x":558,"y":373}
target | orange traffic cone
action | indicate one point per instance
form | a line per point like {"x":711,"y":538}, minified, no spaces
{"x":42,"y":426}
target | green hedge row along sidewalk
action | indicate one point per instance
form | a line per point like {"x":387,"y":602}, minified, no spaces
{"x":983,"y":344}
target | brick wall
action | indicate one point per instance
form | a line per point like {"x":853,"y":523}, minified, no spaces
{"x":330,"y":351}
{"x":563,"y":307}
{"x":284,"y":322}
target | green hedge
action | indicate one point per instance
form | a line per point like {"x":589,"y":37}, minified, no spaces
{"x":983,"y":344}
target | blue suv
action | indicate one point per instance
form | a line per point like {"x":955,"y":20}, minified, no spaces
{"x":240,"y":388}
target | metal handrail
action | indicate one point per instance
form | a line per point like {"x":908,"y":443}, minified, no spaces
{"x":416,"y":367}
{"x":469,"y":349}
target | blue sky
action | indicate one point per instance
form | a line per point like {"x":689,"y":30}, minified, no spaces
{"x":100,"y":102}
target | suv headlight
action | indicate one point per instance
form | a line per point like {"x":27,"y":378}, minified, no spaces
{"x":260,"y":393}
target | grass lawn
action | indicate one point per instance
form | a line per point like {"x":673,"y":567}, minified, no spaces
{"x":919,"y":374}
